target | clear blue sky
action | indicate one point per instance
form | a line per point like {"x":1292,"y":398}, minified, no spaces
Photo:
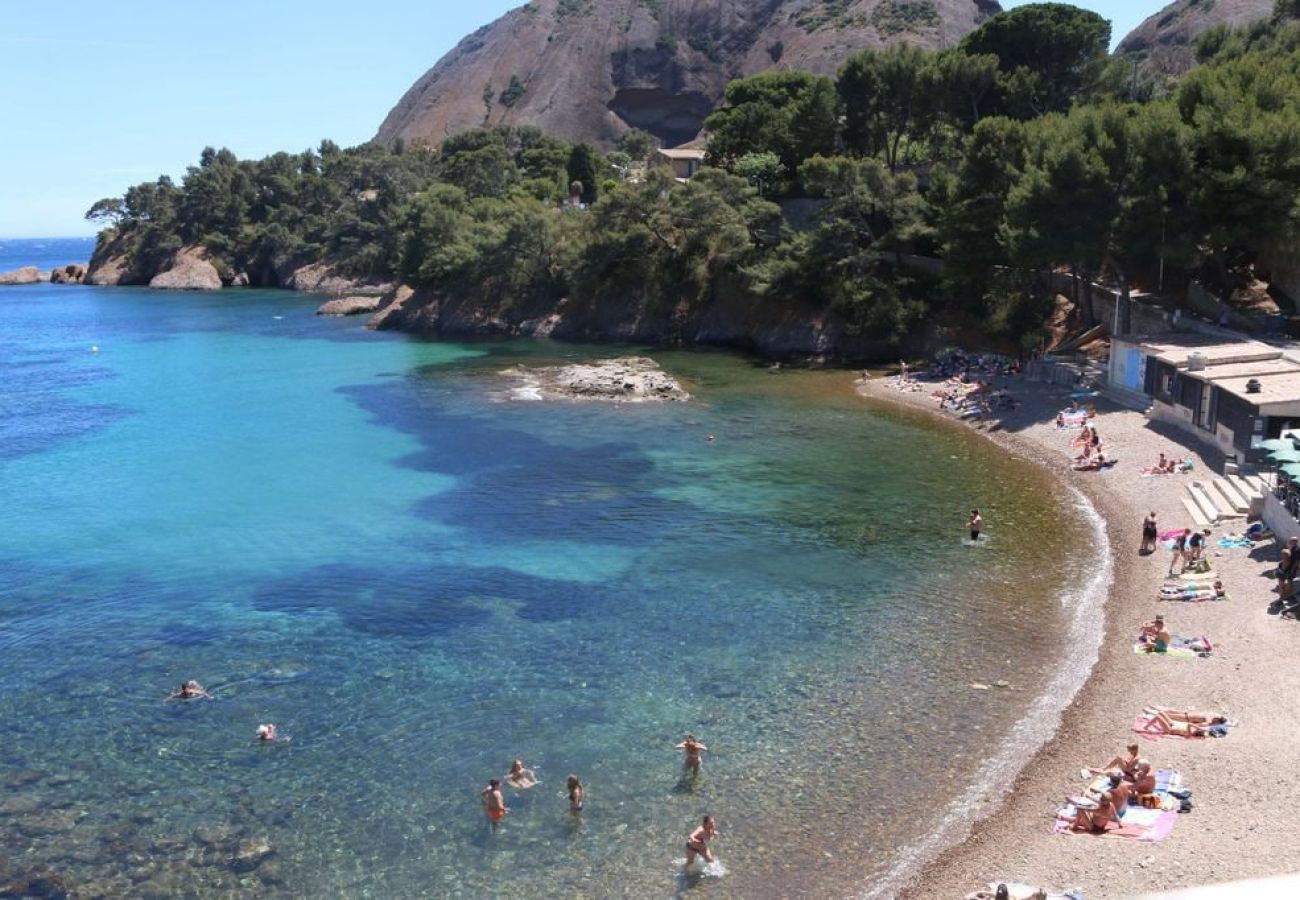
{"x":99,"y":96}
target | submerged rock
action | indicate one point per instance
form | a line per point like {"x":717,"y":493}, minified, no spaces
{"x":632,"y":379}
{"x":250,"y":853}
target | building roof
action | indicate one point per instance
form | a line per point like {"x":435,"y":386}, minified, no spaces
{"x":682,"y":153}
{"x":1174,"y":347}
{"x":1257,"y":368}
{"x":1279,"y":393}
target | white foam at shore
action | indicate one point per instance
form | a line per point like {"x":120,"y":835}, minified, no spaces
{"x":993,"y":781}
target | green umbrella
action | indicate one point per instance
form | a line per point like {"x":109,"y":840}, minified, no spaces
{"x":1277,"y":444}
{"x":1292,"y":471}
{"x":1285,"y":455}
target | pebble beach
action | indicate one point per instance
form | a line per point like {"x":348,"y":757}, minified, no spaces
{"x":1244,"y":786}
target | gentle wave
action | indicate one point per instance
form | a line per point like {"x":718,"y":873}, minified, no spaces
{"x":1031,"y":733}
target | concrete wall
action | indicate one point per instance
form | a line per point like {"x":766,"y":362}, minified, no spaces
{"x":1278,"y":519}
{"x":1182,"y":418}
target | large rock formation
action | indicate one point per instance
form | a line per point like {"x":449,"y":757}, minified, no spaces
{"x":1165,"y":43}
{"x":591,"y":69}
{"x":189,"y":271}
{"x":630,"y":379}
{"x":25,"y":275}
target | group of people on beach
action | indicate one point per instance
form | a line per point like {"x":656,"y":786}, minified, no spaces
{"x":1167,"y":465}
{"x":521,"y":777}
{"x":1091,"y":457}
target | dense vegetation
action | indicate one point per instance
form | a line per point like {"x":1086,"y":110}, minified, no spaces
{"x":1021,"y":151}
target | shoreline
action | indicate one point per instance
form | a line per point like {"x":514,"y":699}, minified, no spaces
{"x":1009,"y":837}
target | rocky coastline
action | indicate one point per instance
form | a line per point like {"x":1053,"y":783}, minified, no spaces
{"x":730,"y":317}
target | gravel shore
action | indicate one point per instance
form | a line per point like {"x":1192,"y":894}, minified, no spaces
{"x":1246,"y":785}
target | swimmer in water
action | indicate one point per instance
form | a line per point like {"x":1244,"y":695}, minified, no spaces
{"x":710,"y":439}
{"x":693,"y":749}
{"x":190,"y":690}
{"x":493,"y":803}
{"x":267,"y":734}
{"x":698,"y":843}
{"x":575,"y":793}
{"x":976,"y":525}
{"x":521,"y":777}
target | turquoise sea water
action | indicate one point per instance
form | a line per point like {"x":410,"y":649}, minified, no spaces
{"x":361,"y":538}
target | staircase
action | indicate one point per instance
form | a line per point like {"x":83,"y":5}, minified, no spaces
{"x":1212,"y":501}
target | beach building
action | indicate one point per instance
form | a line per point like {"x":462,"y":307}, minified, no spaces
{"x":1230,"y":393}
{"x":685,"y":161}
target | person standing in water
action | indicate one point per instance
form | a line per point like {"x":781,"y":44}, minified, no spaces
{"x":693,"y":749}
{"x":493,"y":803}
{"x":698,"y":843}
{"x":976,"y":525}
{"x":575,"y":794}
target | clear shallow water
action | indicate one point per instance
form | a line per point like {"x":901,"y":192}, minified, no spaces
{"x":353,"y":536}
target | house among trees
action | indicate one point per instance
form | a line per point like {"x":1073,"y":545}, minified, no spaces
{"x":686,"y":161}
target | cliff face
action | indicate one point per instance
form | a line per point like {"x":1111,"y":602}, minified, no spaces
{"x":588,"y":70}
{"x":1165,"y":42}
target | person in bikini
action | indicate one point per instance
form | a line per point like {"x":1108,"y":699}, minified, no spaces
{"x":493,"y":803}
{"x":1154,"y":637}
{"x":1095,"y":820}
{"x":693,"y":748}
{"x":1184,"y":723}
{"x":698,"y":843}
{"x":520,"y":776}
{"x":1125,"y":762}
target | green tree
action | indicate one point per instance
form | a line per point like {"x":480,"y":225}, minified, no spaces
{"x":581,"y":168}
{"x":792,"y":114}
{"x":1049,"y":55}
{"x":762,"y":170}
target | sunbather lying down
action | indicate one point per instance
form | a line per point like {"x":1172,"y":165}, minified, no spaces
{"x":1185,"y":723}
{"x":1008,"y":890}
{"x":1195,"y":592}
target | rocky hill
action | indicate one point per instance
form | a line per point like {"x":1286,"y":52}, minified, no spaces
{"x":1165,"y":43}
{"x":591,"y":69}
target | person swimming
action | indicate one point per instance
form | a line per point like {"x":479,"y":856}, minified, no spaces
{"x":698,"y":843}
{"x":693,"y":748}
{"x":575,"y":789}
{"x":268,"y":734}
{"x":191,"y":690}
{"x":493,"y":803}
{"x":520,"y":776}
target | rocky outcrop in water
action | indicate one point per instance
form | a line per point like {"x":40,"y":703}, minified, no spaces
{"x":73,"y":273}
{"x":25,"y":275}
{"x":631,"y":379}
{"x":587,"y":70}
{"x":189,"y":271}
{"x":322,"y":278}
{"x":348,"y":306}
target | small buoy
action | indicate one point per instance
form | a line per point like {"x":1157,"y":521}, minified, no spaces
{"x":94,"y":348}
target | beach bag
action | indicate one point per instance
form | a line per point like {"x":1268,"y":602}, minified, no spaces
{"x":1185,"y":805}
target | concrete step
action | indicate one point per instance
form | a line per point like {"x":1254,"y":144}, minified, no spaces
{"x":1204,"y":497}
{"x":1229,"y":493}
{"x":1195,"y":512}
{"x":1259,"y":483}
{"x":1244,"y":487}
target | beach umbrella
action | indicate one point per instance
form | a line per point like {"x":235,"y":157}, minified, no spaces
{"x":1285,"y":455}
{"x":1277,"y":444}
{"x":1292,"y":471}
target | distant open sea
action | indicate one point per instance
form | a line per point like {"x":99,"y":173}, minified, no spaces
{"x":362,"y":538}
{"x":44,"y":253}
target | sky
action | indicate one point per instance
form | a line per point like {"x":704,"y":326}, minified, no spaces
{"x":99,"y":96}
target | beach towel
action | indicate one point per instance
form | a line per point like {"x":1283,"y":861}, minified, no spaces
{"x":1235,"y":542}
{"x":1179,"y":648}
{"x":1140,"y":824}
{"x":1170,"y":533}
